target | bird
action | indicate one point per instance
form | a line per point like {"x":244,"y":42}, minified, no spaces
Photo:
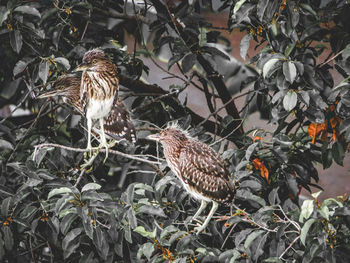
{"x":117,"y":125}
{"x":98,"y":89}
{"x":201,"y":170}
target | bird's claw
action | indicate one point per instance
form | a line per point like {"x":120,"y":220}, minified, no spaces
{"x":199,"y":229}
{"x":89,"y":157}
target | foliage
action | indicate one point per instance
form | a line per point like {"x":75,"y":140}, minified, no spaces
{"x":53,"y":210}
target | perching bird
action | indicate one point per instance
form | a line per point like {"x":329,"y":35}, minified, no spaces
{"x":99,"y":87}
{"x":117,"y":125}
{"x":199,"y":168}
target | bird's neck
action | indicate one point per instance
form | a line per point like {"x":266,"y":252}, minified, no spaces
{"x":173,"y":150}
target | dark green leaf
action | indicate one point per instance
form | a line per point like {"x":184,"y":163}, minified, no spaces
{"x":214,"y":52}
{"x":67,"y":222}
{"x":174,"y":59}
{"x":188,"y":62}
{"x":27,"y":10}
{"x":251,"y":237}
{"x":145,"y":250}
{"x":70,"y":242}
{"x":262,"y":4}
{"x":151,"y":210}
{"x":131,"y":218}
{"x":338,"y":153}
{"x":16,"y":40}
{"x":8,"y":237}
{"x":5,"y":206}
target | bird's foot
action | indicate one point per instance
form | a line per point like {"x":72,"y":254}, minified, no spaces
{"x":89,"y":157}
{"x":199,"y":229}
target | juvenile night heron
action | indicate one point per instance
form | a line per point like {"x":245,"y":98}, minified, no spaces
{"x":117,"y":125}
{"x":99,"y":87}
{"x":199,"y":168}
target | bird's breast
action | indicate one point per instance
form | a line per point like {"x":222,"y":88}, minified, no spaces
{"x":99,"y":108}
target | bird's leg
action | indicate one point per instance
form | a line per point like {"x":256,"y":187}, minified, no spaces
{"x":89,"y":124}
{"x":206,"y":222}
{"x":200,"y":210}
{"x":103,"y":138}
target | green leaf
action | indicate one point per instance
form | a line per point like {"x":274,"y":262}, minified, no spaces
{"x":244,"y":46}
{"x":146,"y":250}
{"x":272,"y":260}
{"x":151,"y":210}
{"x":44,"y":67}
{"x":324,"y":211}
{"x":62,"y":61}
{"x":251,"y":238}
{"x":91,"y":186}
{"x":306,"y":210}
{"x":289,"y":71}
{"x":131,"y":217}
{"x":289,"y":49}
{"x":4,"y":12}
{"x":202,"y":37}
{"x":305,"y":229}
{"x":16,"y":40}
{"x":59,"y":191}
{"x":19,"y":67}
{"x":308,"y":8}
{"x":290,"y":100}
{"x":315,"y":195}
{"x":250,"y":150}
{"x":8,"y":237}
{"x":270,"y":66}
{"x":238,"y":6}
{"x":143,"y":232}
{"x":28,"y":10}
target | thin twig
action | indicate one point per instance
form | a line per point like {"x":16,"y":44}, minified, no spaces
{"x":48,"y":145}
{"x":290,"y":245}
{"x":228,"y":235}
{"x":82,"y":172}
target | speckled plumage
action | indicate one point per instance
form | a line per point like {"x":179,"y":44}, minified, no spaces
{"x":200,"y":169}
{"x":198,"y":166}
{"x":117,"y":124}
{"x":98,"y":89}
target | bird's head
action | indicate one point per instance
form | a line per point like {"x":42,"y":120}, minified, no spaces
{"x":95,"y":60}
{"x":63,"y":86}
{"x":170,"y":136}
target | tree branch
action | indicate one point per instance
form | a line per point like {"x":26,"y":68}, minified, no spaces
{"x":139,"y":86}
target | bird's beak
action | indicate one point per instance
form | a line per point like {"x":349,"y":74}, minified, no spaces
{"x":154,"y":137}
{"x":81,"y":67}
{"x":48,"y":94}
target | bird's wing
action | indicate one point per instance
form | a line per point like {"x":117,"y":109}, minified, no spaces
{"x":118,"y":124}
{"x":84,"y":95}
{"x":202,"y":168}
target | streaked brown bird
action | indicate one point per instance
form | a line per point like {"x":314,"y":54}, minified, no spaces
{"x":117,"y":125}
{"x":99,"y":87}
{"x":200,"y":169}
